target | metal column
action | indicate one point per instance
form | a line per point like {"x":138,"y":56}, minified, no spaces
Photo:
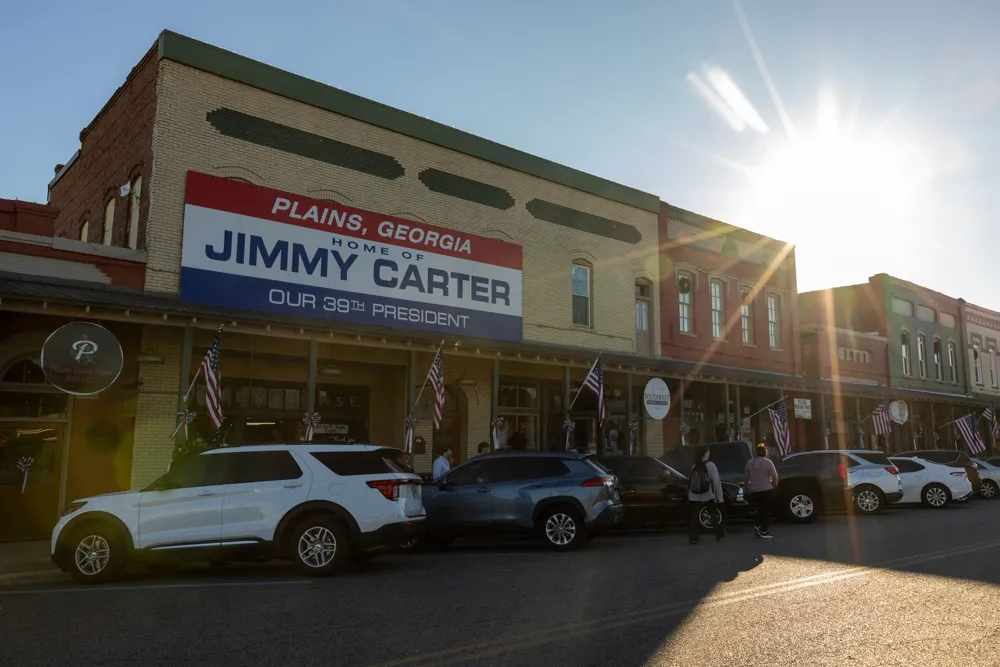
{"x":728,"y":425}
{"x":185,"y":380}
{"x":494,"y":395}
{"x":311,"y":381}
{"x":566,"y":389}
{"x":682,"y":412}
{"x":857,"y":414}
{"x":822,"y":422}
{"x":628,"y":416}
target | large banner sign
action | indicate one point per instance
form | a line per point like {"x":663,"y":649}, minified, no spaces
{"x":259,"y":249}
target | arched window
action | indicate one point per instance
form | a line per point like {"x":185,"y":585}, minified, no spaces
{"x":25,"y":371}
{"x":904,"y":350}
{"x":922,"y":355}
{"x":938,"y":365}
{"x":952,"y":361}
{"x":85,"y":230}
{"x":581,"y":281}
{"x":717,"y":289}
{"x":685,"y":314}
{"x":132,"y":216}
{"x":109,"y":221}
{"x":643,"y":310}
{"x":977,"y":364}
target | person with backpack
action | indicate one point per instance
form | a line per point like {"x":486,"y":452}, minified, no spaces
{"x":762,"y":480}
{"x":704,"y":490}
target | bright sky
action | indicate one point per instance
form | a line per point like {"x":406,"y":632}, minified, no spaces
{"x":862,"y":131}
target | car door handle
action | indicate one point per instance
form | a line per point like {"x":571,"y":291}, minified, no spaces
{"x":485,"y":489}
{"x":293,"y":486}
{"x":206,"y":494}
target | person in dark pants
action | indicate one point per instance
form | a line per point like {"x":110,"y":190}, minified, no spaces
{"x":704,"y":490}
{"x":762,"y":481}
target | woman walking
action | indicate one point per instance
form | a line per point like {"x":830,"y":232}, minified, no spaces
{"x":762,"y":480}
{"x":704,"y":491}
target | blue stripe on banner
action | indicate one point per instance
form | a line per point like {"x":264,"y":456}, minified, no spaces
{"x":271,"y":296}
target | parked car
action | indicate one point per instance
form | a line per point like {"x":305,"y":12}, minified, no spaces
{"x":990,"y":474}
{"x":933,"y":484}
{"x":318,"y":505}
{"x":655,"y":494}
{"x":953,"y":458}
{"x":729,"y":457}
{"x":563,"y":498}
{"x":993,"y":460}
{"x":835,"y":479}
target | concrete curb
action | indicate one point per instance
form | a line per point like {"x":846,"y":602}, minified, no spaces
{"x":48,"y":575}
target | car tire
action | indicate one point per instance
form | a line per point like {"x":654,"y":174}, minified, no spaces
{"x":800,"y":505}
{"x":989,"y":489}
{"x":935,"y":496}
{"x":96,"y":553}
{"x":562,"y":529}
{"x":868,"y":499}
{"x":319,"y":545}
{"x":704,"y":518}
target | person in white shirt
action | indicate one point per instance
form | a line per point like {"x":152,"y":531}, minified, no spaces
{"x":442,"y":464}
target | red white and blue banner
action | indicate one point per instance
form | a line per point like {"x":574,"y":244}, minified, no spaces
{"x":259,"y":249}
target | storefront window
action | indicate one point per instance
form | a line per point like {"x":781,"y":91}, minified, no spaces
{"x":518,"y":394}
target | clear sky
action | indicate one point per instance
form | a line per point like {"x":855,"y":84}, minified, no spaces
{"x":863,"y":131}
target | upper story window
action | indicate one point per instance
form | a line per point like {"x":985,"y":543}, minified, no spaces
{"x":746,"y":316}
{"x":581,"y":294}
{"x":904,"y":350}
{"x":109,"y":221}
{"x":774,"y":321}
{"x":952,"y":361}
{"x":977,"y":364}
{"x":718,"y":292}
{"x":85,"y":230}
{"x":993,"y":367}
{"x":132,"y":216}
{"x":926,"y":314}
{"x":938,"y":372}
{"x":643,"y":306}
{"x":685,"y":315}
{"x":902,"y":307}
{"x":947,"y":320}
{"x":922,"y":355}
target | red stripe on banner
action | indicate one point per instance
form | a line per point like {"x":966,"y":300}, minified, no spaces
{"x":223,"y":194}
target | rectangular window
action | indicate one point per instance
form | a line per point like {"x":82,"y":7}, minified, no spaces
{"x":922,"y":356}
{"x":977,"y":364}
{"x":902,"y":307}
{"x":774,"y":321}
{"x":926,"y":314}
{"x":937,"y":361}
{"x":642,"y":340}
{"x":581,"y":295}
{"x":109,"y":221}
{"x":952,"y":362}
{"x":947,"y":320}
{"x":993,"y":367}
{"x":718,"y":308}
{"x":746,"y":316}
{"x":904,"y":351}
{"x":685,"y":285}
{"x":133,"y":213}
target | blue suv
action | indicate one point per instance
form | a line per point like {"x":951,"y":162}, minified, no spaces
{"x":564,"y":498}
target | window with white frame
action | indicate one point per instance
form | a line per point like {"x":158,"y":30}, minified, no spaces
{"x":938,"y":372}
{"x":685,"y":288}
{"x":993,"y":367}
{"x":109,"y":221}
{"x":774,"y":321}
{"x":922,"y":355}
{"x":581,"y":294}
{"x":977,"y":364}
{"x":718,"y":292}
{"x":643,"y":306}
{"x":904,"y":351}
{"x":746,"y":316}
{"x":952,"y":361}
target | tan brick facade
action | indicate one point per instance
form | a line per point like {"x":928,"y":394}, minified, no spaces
{"x":156,"y":406}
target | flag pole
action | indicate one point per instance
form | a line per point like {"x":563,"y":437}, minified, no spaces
{"x":198,"y":374}
{"x":764,"y":408}
{"x":426,"y":378}
{"x":594,"y":365}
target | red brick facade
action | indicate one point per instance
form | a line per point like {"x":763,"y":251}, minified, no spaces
{"x":115,"y":148}
{"x":709,"y":250}
{"x":847,"y":356}
{"x":27,"y":217}
{"x":853,"y":307}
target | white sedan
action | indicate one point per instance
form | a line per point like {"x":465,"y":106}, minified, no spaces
{"x":991,"y":479}
{"x":929,"y":483}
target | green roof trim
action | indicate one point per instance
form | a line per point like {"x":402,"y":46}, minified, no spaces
{"x":229,"y":65}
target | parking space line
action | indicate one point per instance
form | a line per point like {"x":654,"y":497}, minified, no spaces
{"x":154,"y":587}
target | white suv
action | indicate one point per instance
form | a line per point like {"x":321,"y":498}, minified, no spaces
{"x":317,"y":505}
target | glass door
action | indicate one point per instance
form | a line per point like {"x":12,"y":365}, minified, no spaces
{"x":30,"y":467}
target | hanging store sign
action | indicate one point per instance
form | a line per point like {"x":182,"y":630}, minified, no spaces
{"x":260,"y":249}
{"x":803,"y":408}
{"x":656,"y":398}
{"x":82,"y":358}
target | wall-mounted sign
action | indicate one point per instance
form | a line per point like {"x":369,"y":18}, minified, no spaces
{"x":656,"y":398}
{"x":803,"y":408}
{"x":332,"y":429}
{"x":260,"y":249}
{"x":899,"y":412}
{"x":148,"y":356}
{"x":82,"y":358}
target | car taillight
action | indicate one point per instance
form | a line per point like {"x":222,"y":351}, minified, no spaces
{"x":892,"y":470}
{"x":387,"y":487}
{"x":842,"y":470}
{"x":598,"y":481}
{"x":960,"y":474}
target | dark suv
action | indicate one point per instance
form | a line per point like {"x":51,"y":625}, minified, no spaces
{"x":564,"y":498}
{"x":729,"y":457}
{"x":954,"y":459}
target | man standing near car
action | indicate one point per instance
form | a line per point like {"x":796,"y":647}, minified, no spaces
{"x":442,"y":464}
{"x":762,"y":480}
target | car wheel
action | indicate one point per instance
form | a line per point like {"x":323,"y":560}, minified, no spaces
{"x":935,"y":495}
{"x":705,"y":517}
{"x":319,"y":546}
{"x":868,"y":500}
{"x":96,"y":554}
{"x":989,"y":489}
{"x":562,"y":529}
{"x":801,"y":506}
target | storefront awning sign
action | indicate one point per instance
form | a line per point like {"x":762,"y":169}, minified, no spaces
{"x":82,"y":358}
{"x":656,"y":398}
{"x":259,"y":249}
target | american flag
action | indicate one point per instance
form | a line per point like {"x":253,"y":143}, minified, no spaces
{"x":779,"y":422}
{"x":436,"y":377}
{"x":990,"y":416}
{"x":883,"y":425}
{"x":213,"y":380}
{"x":595,"y":383}
{"x":967,"y":427}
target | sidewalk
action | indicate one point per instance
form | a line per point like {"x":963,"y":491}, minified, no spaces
{"x":26,"y":562}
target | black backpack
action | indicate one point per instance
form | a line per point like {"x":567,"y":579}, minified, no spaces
{"x":699,"y":482}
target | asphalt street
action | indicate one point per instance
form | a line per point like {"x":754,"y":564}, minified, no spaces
{"x":907,"y":587}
